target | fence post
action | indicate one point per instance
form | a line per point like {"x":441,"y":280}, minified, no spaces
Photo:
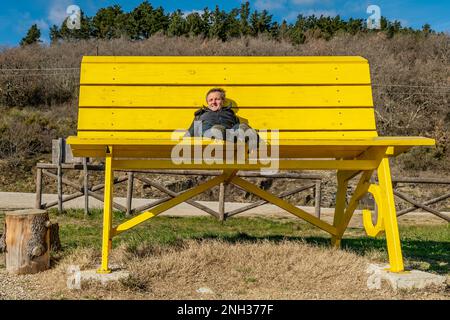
{"x":318,"y":197}
{"x":38,"y":203}
{"x":60,"y":161}
{"x":86,"y":187}
{"x":222,"y":202}
{"x":130,"y":175}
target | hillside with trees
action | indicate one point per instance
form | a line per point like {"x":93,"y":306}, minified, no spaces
{"x":145,"y":21}
{"x":410,"y":72}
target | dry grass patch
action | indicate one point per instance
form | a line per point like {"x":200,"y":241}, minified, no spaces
{"x":261,"y":270}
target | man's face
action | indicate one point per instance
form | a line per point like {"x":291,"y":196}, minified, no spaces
{"x":215,"y":101}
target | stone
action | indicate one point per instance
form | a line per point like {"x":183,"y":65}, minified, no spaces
{"x":205,"y":290}
{"x":77,"y":277}
{"x":407,"y":280}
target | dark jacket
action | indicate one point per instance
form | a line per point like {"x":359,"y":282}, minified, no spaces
{"x":224,"y":117}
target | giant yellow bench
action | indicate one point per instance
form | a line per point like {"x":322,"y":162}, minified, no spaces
{"x":132,"y":109}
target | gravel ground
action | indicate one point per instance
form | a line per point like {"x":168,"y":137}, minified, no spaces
{"x":19,"y":287}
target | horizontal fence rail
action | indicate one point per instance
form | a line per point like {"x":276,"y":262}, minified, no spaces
{"x":44,"y":169}
{"x":130,"y":177}
{"x":421,"y":205}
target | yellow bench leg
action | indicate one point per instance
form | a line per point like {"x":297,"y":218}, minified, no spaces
{"x":390,"y":217}
{"x":341,"y":197}
{"x":107,"y":213}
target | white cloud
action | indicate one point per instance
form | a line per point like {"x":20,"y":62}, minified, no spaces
{"x":186,"y":13}
{"x":270,"y":4}
{"x":41,"y":23}
{"x":57,"y":12}
{"x":404,"y":22}
{"x":291,"y":16}
{"x":24,"y":22}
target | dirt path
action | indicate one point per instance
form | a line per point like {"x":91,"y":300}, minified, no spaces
{"x":15,"y":200}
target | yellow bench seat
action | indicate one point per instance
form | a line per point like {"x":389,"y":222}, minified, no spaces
{"x":288,"y":148}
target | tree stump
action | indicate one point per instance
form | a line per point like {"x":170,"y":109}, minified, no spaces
{"x":26,"y":241}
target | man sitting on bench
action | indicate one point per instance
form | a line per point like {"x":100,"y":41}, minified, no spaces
{"x":220,"y":122}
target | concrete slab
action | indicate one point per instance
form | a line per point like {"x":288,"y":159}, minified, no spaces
{"x":115,"y":275}
{"x":413,"y":279}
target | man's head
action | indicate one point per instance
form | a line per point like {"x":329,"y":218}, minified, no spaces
{"x":215,"y":99}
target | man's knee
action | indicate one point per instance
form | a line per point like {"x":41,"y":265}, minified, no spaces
{"x":216,"y":132}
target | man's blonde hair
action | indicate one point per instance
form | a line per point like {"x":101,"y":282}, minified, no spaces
{"x":220,"y":90}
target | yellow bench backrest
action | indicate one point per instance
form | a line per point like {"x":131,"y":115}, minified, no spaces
{"x":149,"y":97}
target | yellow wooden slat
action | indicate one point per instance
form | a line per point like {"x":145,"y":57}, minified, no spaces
{"x":263,"y":135}
{"x":220,"y":59}
{"x":283,"y":165}
{"x":166,"y":151}
{"x":99,"y":151}
{"x":376,"y":141}
{"x":225,"y":73}
{"x":281,"y":119}
{"x":242,"y":96}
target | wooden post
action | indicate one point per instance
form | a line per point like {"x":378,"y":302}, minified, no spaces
{"x":27,"y":241}
{"x":86,"y":188}
{"x":318,"y":196}
{"x":129,"y":192}
{"x":38,"y":203}
{"x":222,"y":201}
{"x":59,"y":175}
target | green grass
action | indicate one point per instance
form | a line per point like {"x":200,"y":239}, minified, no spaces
{"x":425,"y":247}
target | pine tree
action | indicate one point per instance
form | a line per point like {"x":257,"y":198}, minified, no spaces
{"x":177,"y":25}
{"x":109,"y":22}
{"x":243,"y":18}
{"x":275,"y":31}
{"x":206,"y":19}
{"x":297,"y":36}
{"x":232,"y":24}
{"x":33,"y":36}
{"x":218,"y":24}
{"x":160,"y":20}
{"x":55,"y":35}
{"x":284,"y":30}
{"x":194,"y":24}
{"x":140,"y":22}
{"x":426,"y":29}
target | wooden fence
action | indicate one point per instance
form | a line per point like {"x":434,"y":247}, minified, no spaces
{"x":131,"y":176}
{"x":63,"y":160}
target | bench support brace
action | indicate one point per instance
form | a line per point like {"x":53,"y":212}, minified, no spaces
{"x":387,"y":218}
{"x":383,"y":195}
{"x":283,"y":204}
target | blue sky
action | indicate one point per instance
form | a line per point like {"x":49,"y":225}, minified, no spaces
{"x":17,"y":16}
